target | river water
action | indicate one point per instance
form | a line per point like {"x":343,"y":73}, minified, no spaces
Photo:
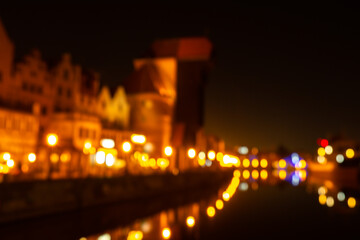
{"x":257,"y":205}
{"x":253,"y":204}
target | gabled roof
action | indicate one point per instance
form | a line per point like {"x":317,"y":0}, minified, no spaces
{"x":147,"y":79}
{"x":3,"y":33}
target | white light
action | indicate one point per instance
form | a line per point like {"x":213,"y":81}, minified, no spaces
{"x":295,"y":158}
{"x":191,"y":153}
{"x":322,"y":190}
{"x":31,"y":157}
{"x":243,"y":150}
{"x":136,"y":138}
{"x":330,"y":201}
{"x":126,"y":146}
{"x":295,"y":180}
{"x":243,"y":186}
{"x":107,"y":143}
{"x":6,"y":156}
{"x":227,"y":159}
{"x":168,"y":151}
{"x":10,"y":163}
{"x":321,"y":159}
{"x":87,"y":145}
{"x":208,"y":162}
{"x":110,"y":160}
{"x":341,"y":196}
{"x":328,"y":150}
{"x":340,"y":158}
{"x":202,"y":155}
{"x":52,"y":139}
{"x":100,"y":157}
{"x":105,"y":236}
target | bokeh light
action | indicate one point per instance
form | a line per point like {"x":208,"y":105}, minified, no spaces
{"x":351,"y":202}
{"x":190,"y":221}
{"x":219,"y":204}
{"x":210,"y":211}
{"x":350,"y":153}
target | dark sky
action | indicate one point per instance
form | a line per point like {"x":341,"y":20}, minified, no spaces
{"x":283,"y":75}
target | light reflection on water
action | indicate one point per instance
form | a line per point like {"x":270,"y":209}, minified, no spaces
{"x":196,"y":220}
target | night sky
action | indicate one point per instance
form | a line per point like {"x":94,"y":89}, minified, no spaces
{"x":282,"y":75}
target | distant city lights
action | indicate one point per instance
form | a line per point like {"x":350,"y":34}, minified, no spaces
{"x":31,"y":157}
{"x":190,"y":221}
{"x":340,"y":158}
{"x":350,"y":153}
{"x":191,"y":153}
{"x":211,"y":155}
{"x":243,"y":150}
{"x":107,"y":143}
{"x":138,"y":138}
{"x":210,"y":211}
{"x":166,"y":233}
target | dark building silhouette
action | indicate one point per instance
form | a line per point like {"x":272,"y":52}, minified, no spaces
{"x":193,"y":57}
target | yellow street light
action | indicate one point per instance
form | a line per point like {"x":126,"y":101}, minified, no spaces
{"x":349,"y":153}
{"x":168,"y":151}
{"x":191,"y":153}
{"x":126,"y":147}
{"x":52,"y":139}
{"x":211,"y":155}
{"x":219,"y":204}
{"x":87,"y":145}
{"x":190,"y":221}
{"x":210,"y":211}
{"x":31,"y":157}
{"x":166,"y":233}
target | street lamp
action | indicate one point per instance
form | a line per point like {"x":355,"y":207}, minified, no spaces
{"x":168,"y":151}
{"x":52,"y":140}
{"x":126,"y":148}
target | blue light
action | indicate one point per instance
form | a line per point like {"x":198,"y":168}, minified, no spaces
{"x":295,"y":158}
{"x":295,"y":180}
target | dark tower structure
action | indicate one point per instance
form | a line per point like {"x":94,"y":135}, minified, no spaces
{"x":193,"y":56}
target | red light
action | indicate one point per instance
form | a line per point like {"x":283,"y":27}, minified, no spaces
{"x":324,"y":142}
{"x":318,"y":141}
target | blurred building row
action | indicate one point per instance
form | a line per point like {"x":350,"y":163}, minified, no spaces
{"x":162,"y":99}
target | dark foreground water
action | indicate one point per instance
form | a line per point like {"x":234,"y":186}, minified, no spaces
{"x":256,"y":205}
